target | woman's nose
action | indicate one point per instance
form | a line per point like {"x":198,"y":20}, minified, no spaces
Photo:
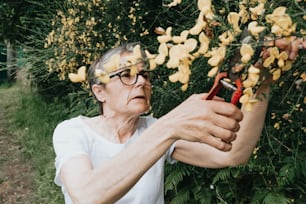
{"x":140,"y":79}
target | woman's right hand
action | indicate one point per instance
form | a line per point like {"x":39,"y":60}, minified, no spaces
{"x":213,"y":122}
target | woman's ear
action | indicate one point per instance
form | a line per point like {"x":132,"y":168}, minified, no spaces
{"x":98,"y":91}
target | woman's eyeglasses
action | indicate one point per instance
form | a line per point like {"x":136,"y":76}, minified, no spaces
{"x":127,"y":79}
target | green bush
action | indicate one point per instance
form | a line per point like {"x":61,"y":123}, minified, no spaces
{"x":80,"y":31}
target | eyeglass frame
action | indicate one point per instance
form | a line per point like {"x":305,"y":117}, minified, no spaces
{"x":141,"y":72}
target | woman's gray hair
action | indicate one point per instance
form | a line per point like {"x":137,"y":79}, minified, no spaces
{"x":98,"y":64}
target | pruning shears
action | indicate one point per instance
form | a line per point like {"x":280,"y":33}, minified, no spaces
{"x":233,"y":74}
{"x":220,"y":83}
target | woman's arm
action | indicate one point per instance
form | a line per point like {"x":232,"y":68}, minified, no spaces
{"x":194,"y":120}
{"x":247,"y":137}
{"x":251,"y":126}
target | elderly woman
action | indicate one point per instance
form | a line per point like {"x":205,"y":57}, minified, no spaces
{"x":119,"y":155}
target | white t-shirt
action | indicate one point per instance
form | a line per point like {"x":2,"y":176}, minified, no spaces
{"x":74,"y":137}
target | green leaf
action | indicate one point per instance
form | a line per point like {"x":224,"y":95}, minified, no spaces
{"x":275,"y":198}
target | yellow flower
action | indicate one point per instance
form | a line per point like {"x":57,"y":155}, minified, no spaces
{"x":281,"y":22}
{"x":287,"y":66}
{"x":134,"y":58}
{"x":243,"y":13}
{"x":184,"y":87}
{"x":174,"y":3}
{"x":303,"y":76}
{"x":273,"y":54}
{"x":277,"y":126}
{"x":282,"y":57}
{"x":204,"y":43}
{"x":246,"y":51}
{"x":273,"y":116}
{"x":112,"y":64}
{"x":162,"y":54}
{"x":247,"y":99}
{"x":176,"y":52}
{"x":213,"y":72}
{"x":205,"y":7}
{"x":137,"y":52}
{"x":133,"y":69}
{"x":151,"y":58}
{"x":102,"y":76}
{"x":182,"y":75}
{"x":254,"y":29}
{"x":160,"y":31}
{"x":174,"y":77}
{"x":80,"y":76}
{"x":160,"y":59}
{"x":253,"y":77}
{"x":166,"y":37}
{"x":199,"y":26}
{"x":190,"y":44}
{"x":182,"y":38}
{"x":278,"y":12}
{"x":257,"y":11}
{"x":226,"y":38}
{"x":217,"y":56}
{"x":180,"y":52}
{"x":276,"y":73}
{"x":233,"y":19}
{"x":283,"y":28}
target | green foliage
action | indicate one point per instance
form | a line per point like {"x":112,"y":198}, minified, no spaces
{"x":14,"y":20}
{"x":38,"y":25}
{"x":276,"y":170}
{"x":33,"y":121}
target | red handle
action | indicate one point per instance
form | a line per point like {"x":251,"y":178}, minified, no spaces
{"x":238,"y":92}
{"x":217,"y":86}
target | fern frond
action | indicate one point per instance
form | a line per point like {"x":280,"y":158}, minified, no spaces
{"x":226,"y":173}
{"x":175,"y":174}
{"x":274,"y":197}
{"x":287,"y":174}
{"x":173,"y":179}
{"x":182,"y":197}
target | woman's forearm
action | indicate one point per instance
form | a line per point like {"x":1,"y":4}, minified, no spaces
{"x":250,"y":128}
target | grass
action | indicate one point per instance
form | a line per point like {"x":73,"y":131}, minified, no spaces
{"x":33,"y":121}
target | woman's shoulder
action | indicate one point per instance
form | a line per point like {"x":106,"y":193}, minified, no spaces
{"x":71,"y":122}
{"x":70,"y":128}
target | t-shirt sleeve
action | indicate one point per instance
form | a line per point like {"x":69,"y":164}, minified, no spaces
{"x":169,"y":157}
{"x":68,"y":141}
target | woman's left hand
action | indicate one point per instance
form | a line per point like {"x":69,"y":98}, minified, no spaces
{"x":290,"y":45}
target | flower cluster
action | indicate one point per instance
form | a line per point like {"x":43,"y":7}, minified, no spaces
{"x":84,"y":29}
{"x":247,"y":28}
{"x":114,"y":64}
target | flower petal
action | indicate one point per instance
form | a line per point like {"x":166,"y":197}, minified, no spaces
{"x":112,"y":64}
{"x":79,"y":77}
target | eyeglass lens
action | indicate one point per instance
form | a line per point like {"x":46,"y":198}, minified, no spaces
{"x":128,"y":79}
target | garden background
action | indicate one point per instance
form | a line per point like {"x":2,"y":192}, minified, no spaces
{"x":43,"y":41}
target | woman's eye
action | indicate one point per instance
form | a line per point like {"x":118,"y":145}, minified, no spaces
{"x":125,"y":74}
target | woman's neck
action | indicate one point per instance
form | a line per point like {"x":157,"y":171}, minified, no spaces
{"x":119,"y":128}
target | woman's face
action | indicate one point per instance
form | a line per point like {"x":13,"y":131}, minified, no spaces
{"x":130,"y":100}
